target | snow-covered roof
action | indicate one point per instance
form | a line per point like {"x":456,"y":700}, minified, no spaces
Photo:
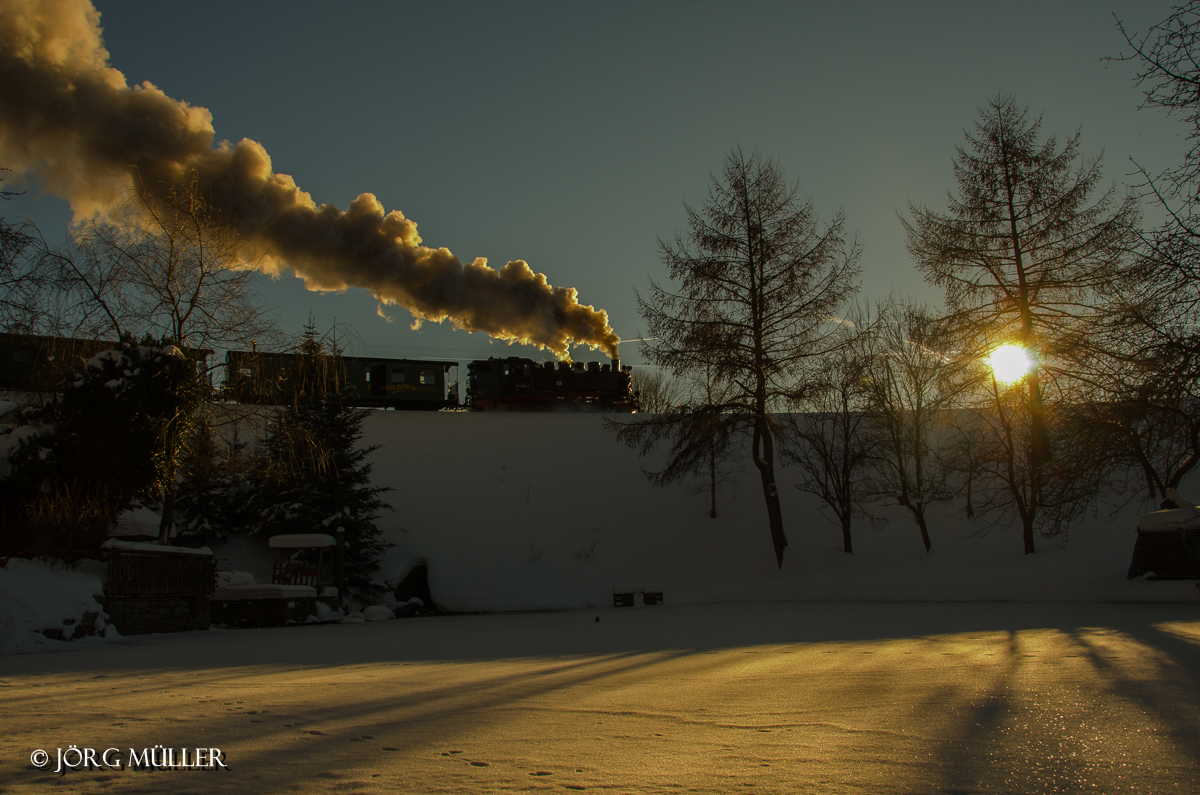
{"x":302,"y":541}
{"x":1174,"y":519}
{"x":142,"y":546}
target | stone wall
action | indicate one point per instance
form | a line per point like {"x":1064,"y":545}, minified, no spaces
{"x":267,"y":612}
{"x":141,"y":615}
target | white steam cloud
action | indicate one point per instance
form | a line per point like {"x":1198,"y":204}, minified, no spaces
{"x":72,"y":120}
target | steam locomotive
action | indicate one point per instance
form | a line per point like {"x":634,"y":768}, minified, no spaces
{"x":517,"y":384}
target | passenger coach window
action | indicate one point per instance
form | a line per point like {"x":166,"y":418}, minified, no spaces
{"x":428,"y":377}
{"x":397,"y":375}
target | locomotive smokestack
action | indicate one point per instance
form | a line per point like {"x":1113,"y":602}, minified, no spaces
{"x":70,"y":118}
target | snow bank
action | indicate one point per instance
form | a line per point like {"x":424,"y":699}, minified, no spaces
{"x":537,"y":511}
{"x":35,"y":597}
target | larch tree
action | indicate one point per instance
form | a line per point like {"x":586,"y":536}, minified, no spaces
{"x":1028,"y":243}
{"x":1153,"y":413}
{"x":753,"y":289}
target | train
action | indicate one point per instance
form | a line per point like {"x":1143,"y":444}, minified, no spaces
{"x":42,"y":364}
{"x":510,"y":384}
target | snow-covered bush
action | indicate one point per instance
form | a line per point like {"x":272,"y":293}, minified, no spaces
{"x":41,"y":605}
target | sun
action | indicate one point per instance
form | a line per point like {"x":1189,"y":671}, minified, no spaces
{"x":1010,"y":363}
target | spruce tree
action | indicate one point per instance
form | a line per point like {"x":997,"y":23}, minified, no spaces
{"x":317,"y":478}
{"x":211,"y":497}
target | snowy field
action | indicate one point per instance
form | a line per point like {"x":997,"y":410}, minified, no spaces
{"x":766,"y":698}
{"x":972,"y":669}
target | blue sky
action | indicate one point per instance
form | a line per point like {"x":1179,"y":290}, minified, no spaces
{"x":570,"y":134}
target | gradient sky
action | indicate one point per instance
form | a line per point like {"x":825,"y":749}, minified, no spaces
{"x":570,"y":134}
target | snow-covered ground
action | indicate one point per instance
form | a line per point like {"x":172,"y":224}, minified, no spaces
{"x":514,"y":512}
{"x":971,"y":669}
{"x":782,"y":697}
{"x":536,"y":512}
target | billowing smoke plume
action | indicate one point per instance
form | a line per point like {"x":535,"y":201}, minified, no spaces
{"x":71,"y":119}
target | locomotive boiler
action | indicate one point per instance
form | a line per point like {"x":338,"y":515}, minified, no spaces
{"x":518,"y":384}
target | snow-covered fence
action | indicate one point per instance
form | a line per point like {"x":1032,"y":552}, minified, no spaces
{"x":153,"y":573}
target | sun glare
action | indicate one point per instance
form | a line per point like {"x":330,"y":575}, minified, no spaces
{"x":1010,"y":363}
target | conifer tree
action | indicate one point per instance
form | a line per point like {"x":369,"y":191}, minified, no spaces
{"x":211,"y":498}
{"x":1027,"y":247}
{"x":754,"y":285}
{"x":317,"y":479}
{"x":113,"y":436}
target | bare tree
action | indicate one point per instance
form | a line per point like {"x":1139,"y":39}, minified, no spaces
{"x":719,"y":464}
{"x":25,"y":283}
{"x":829,"y":441}
{"x":165,"y":266}
{"x":1024,"y":251}
{"x":1146,"y":416}
{"x":755,"y":285}
{"x":912,"y":388}
{"x":1148,"y":404}
{"x":656,"y":390}
{"x":1170,"y":78}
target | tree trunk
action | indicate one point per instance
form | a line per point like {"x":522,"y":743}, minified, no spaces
{"x":920,"y":517}
{"x":764,"y":460}
{"x":712,"y":478}
{"x":1027,"y":533}
{"x":847,"y":545}
{"x":168,"y":515}
{"x":1040,"y":438}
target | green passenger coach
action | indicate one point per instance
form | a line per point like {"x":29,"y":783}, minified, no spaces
{"x":270,"y":379}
